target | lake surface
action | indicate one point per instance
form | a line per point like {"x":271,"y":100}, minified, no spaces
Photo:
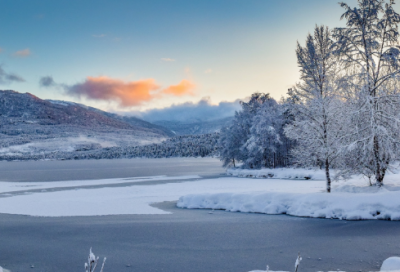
{"x":186,"y":240}
{"x":104,"y":169}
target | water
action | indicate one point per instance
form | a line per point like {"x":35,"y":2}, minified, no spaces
{"x":187,"y":240}
{"x":104,"y":169}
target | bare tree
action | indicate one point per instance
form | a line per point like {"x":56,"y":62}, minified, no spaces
{"x":317,"y":123}
{"x":368,"y":46}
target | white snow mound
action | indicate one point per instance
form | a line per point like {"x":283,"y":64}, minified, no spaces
{"x":391,"y":264}
{"x":4,"y":270}
{"x":380,"y":205}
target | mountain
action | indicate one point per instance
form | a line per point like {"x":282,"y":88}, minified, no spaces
{"x":195,"y":127}
{"x":31,"y":124}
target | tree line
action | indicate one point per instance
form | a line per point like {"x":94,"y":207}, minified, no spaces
{"x":343,"y":113}
{"x":204,"y":145}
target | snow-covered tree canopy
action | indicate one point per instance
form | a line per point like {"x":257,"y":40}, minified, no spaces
{"x":345,"y":110}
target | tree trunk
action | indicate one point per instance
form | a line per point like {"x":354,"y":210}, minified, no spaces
{"x":274,"y":159}
{"x":328,"y":177}
{"x":379,"y":173}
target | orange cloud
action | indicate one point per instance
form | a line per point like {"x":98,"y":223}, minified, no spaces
{"x":183,"y":88}
{"x":127,"y":94}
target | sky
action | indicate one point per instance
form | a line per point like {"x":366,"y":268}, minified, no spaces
{"x":133,"y":56}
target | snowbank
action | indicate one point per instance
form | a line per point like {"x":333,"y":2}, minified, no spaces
{"x":391,"y":264}
{"x":4,"y":270}
{"x":277,"y":173}
{"x":381,"y":205}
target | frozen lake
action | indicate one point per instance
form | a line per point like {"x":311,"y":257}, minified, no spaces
{"x":185,"y":240}
{"x":105,"y":169}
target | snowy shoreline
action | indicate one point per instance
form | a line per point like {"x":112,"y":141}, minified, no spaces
{"x":350,"y":200}
{"x":344,"y":206}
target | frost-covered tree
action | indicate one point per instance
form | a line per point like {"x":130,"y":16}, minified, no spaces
{"x":265,"y":140}
{"x":369,"y":47}
{"x":243,"y":122}
{"x":255,"y":137}
{"x":229,"y":144}
{"x":317,"y":112}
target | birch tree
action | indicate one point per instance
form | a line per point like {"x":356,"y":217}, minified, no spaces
{"x":317,"y":113}
{"x":368,"y":45}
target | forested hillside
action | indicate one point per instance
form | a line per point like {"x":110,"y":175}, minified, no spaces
{"x":180,"y":146}
{"x":30,"y":124}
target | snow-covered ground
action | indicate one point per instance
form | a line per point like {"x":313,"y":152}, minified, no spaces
{"x":391,"y":264}
{"x":9,"y":187}
{"x":350,"y":200}
{"x":128,"y":198}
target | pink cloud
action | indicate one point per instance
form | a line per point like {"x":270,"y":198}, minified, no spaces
{"x":126,"y":93}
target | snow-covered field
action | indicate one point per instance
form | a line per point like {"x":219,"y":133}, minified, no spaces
{"x":15,"y":197}
{"x":350,"y":200}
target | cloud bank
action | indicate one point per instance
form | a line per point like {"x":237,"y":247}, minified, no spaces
{"x":125,"y":93}
{"x":7,"y":78}
{"x":188,"y":112}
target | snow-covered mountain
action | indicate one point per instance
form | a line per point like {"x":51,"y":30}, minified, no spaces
{"x":34,"y":125}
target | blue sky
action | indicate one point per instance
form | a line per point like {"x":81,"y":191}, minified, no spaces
{"x":225,"y":49}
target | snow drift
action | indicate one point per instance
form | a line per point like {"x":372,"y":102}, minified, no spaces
{"x":382,"y":205}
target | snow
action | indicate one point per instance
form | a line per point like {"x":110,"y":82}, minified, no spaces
{"x":391,"y":264}
{"x":351,"y":200}
{"x":7,"y":187}
{"x":60,"y":102}
{"x":4,"y":270}
{"x":135,"y":199}
{"x":278,"y":173}
{"x":385,"y":205}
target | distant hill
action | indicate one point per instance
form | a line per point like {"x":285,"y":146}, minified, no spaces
{"x":26,"y":120}
{"x":195,"y":127}
{"x":34,"y":128}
